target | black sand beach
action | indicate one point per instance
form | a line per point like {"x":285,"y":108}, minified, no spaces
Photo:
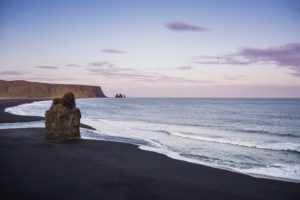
{"x":34,"y":168}
{"x":10,"y":118}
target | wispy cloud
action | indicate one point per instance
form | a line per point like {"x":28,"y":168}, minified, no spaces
{"x":13,"y":72}
{"x":113,"y":51}
{"x":46,"y":67}
{"x":42,"y":78}
{"x":225,"y":59}
{"x":182,"y":26}
{"x":287,"y":55}
{"x":73,"y":65}
{"x":184,"y":68}
{"x":108,"y":70}
{"x":164,"y":78}
{"x":99,"y":64}
{"x":296,"y":74}
{"x":234,"y":78}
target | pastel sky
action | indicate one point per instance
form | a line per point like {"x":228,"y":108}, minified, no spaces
{"x":157,"y":48}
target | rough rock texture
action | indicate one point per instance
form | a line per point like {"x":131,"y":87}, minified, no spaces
{"x":26,"y":89}
{"x":63,"y":118}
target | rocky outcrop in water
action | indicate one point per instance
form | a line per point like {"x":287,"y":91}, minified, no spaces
{"x":120,"y":96}
{"x":63,"y":118}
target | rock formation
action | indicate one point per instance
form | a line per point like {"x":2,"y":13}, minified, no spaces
{"x":63,"y":118}
{"x":26,"y":89}
{"x":120,"y":96}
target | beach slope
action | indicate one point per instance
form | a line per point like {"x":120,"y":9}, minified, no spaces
{"x":34,"y":168}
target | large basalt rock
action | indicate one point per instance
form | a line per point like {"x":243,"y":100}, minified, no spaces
{"x":63,"y":118}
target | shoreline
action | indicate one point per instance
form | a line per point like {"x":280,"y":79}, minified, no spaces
{"x":259,"y":176}
{"x":140,"y":174}
{"x":6,"y":117}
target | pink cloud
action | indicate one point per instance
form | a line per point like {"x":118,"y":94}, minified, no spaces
{"x":47,"y":67}
{"x":113,"y":51}
{"x":104,"y":69}
{"x":181,"y":26}
{"x":118,"y":73}
{"x":13,"y":72}
{"x":73,"y":65}
{"x":227,"y":59}
{"x":184,"y":68}
{"x":287,"y":55}
{"x":233,"y":78}
{"x":273,"y":52}
{"x":99,"y":64}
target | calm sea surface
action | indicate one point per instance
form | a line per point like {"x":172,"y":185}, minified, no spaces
{"x":252,"y":136}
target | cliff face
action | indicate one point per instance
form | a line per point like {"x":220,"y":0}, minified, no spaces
{"x":26,"y":89}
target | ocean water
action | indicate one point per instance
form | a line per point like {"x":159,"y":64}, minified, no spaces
{"x":259,"y":137}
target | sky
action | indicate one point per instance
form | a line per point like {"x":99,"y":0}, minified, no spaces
{"x":157,"y":48}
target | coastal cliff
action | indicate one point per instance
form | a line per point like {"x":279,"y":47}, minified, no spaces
{"x":26,"y":89}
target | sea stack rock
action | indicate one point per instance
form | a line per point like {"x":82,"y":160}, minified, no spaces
{"x":120,"y":96}
{"x":63,"y":118}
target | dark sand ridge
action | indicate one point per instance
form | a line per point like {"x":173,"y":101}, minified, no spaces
{"x":33,"y":168}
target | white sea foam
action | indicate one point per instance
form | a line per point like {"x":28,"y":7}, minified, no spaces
{"x":279,"y":146}
{"x":125,"y":126}
{"x":244,"y":151}
{"x":285,"y":171}
{"x":35,"y":124}
{"x":32,"y":109}
{"x":37,"y":109}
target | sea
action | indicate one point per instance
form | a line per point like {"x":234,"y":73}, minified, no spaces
{"x":258,"y":137}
